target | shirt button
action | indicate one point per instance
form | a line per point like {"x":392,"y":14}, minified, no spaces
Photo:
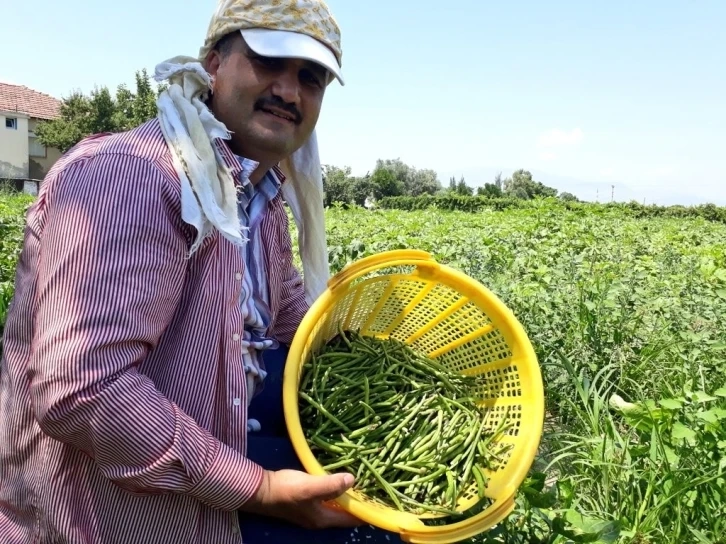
{"x":238,"y":276}
{"x":237,"y":401}
{"x":235,"y":337}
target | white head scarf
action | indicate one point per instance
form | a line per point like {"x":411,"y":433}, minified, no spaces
{"x":189,"y":127}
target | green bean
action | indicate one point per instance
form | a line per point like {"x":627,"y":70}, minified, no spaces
{"x":470,"y":455}
{"x":405,"y":425}
{"x":342,"y":335}
{"x":344,"y":462}
{"x":479,"y":476}
{"x":325,"y":412}
{"x":383,"y":482}
{"x":326,"y":446}
{"x":362,"y":431}
{"x":415,"y":470}
{"x":421,"y":480}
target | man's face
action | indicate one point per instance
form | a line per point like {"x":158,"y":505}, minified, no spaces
{"x":270,"y":105}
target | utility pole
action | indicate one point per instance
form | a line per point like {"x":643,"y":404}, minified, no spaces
{"x":612,"y":195}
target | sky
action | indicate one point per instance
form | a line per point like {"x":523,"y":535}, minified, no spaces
{"x":607,"y":100}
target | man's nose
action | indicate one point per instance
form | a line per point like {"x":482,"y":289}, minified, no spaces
{"x":287,"y":86}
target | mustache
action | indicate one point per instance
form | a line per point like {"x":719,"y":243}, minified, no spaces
{"x":277,"y":102}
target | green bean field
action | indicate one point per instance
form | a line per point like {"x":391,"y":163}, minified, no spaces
{"x":627,"y":315}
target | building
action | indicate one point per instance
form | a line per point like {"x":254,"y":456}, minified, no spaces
{"x":22,"y":157}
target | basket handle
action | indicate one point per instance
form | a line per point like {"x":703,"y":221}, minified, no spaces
{"x":395,"y":257}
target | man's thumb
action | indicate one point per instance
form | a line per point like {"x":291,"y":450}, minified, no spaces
{"x":327,"y":488}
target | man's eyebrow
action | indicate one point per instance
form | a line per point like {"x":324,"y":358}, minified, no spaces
{"x":316,"y":68}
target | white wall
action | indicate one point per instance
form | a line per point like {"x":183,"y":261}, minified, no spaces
{"x":14,"y":146}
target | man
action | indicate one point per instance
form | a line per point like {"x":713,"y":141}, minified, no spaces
{"x":157,"y":263}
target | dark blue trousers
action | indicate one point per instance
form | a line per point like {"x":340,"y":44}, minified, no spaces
{"x":272,"y":449}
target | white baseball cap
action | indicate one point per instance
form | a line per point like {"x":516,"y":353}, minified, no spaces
{"x":286,"y":44}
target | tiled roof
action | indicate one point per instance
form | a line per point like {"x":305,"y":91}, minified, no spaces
{"x":24,"y":100}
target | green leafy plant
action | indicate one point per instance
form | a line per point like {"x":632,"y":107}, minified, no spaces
{"x":13,"y":207}
{"x":625,"y":305}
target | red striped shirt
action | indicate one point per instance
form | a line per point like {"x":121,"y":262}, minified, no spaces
{"x":122,"y":396}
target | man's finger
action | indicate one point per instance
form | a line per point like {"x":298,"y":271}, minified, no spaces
{"x":326,"y":488}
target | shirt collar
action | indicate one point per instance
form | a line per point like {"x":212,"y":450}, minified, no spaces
{"x":237,"y":167}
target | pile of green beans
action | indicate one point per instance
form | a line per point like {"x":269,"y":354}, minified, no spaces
{"x":406,"y":426}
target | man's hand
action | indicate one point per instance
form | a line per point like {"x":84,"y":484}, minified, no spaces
{"x":300,"y":498}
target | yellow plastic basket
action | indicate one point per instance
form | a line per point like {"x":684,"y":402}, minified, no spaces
{"x":442,"y":313}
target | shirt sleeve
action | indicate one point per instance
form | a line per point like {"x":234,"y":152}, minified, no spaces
{"x":111,"y":266}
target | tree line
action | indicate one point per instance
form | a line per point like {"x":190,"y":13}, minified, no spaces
{"x":474,"y":204}
{"x":82,"y":115}
{"x":393,"y":178}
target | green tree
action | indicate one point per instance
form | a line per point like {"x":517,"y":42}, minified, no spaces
{"x":124,"y":106}
{"x":385,"y":183}
{"x":459,"y":188}
{"x":568,"y":197}
{"x":521,"y":185}
{"x":340,"y":186}
{"x":498,"y":181}
{"x":490,"y":190}
{"x":336,"y":184}
{"x":144,"y":103}
{"x":360,"y":189}
{"x":463,"y":189}
{"x":423,"y":182}
{"x":76,"y":118}
{"x":415,"y":182}
{"x":81,"y":115}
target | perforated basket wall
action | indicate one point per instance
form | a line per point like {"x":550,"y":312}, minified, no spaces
{"x":440,"y":313}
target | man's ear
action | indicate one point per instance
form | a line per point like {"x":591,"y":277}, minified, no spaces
{"x":212,"y":62}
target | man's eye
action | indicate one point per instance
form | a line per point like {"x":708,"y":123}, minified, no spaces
{"x":310,"y":78}
{"x":268,"y":62}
